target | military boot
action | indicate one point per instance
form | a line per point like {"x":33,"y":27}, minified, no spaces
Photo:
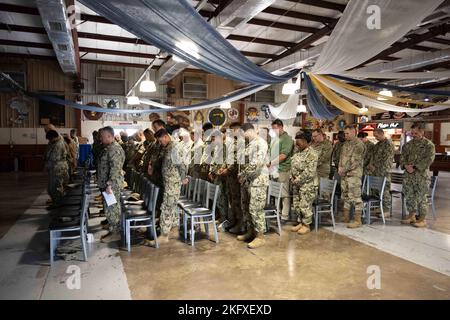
{"x":420,"y":223}
{"x":346,"y":215}
{"x":356,"y":223}
{"x":163,"y":238}
{"x":258,"y":241}
{"x":110,"y":237}
{"x":247,"y":236}
{"x":297,"y":227}
{"x":237,"y":228}
{"x":410,"y":219}
{"x":304,"y":229}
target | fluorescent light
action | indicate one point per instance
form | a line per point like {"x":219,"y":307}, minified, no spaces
{"x":133,"y":100}
{"x":289,"y":88}
{"x":426,"y":99}
{"x":386,"y":93}
{"x":189,"y":48}
{"x":301,"y":108}
{"x":225,"y":105}
{"x":147,"y":86}
{"x":177,"y":59}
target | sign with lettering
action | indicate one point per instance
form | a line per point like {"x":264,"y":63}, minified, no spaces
{"x":391,"y":125}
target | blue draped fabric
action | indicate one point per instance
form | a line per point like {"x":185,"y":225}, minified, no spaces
{"x":317,"y":108}
{"x":392,"y":87}
{"x":165,"y":24}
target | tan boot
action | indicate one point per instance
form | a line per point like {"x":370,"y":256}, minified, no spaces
{"x":304,"y":229}
{"x":247,"y":236}
{"x":356,"y":223}
{"x":346,"y":215}
{"x":258,"y":241}
{"x":163,"y":238}
{"x":297,"y":227}
{"x":110,"y":237}
{"x":420,"y":223}
{"x":410,"y":219}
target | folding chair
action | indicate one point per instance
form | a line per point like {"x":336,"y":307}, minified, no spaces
{"x":325,"y":201}
{"x":372,"y":195}
{"x":273,"y":210}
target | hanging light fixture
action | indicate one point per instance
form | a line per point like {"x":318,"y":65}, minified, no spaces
{"x":289,"y":88}
{"x":226,"y":105}
{"x":386,"y":93}
{"x":363,"y":109}
{"x":301,"y":108}
{"x":133,"y":100}
{"x":147,"y":85}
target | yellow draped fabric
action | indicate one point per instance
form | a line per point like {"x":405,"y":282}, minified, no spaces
{"x":336,"y":100}
{"x":376,"y":95}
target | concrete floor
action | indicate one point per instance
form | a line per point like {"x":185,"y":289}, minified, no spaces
{"x":330,"y":264}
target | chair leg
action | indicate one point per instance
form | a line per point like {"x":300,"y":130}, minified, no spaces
{"x":279,"y":223}
{"x":185,"y":226}
{"x":332,"y":217}
{"x":192,"y":230}
{"x":390,"y":209}
{"x":51,"y":248}
{"x":83,"y":246}
{"x":206,"y":226}
{"x":316,"y":217}
{"x":433,"y":209}
{"x":216,"y":235}
{"x":382,"y":212}
{"x":127,"y":235}
{"x":155,"y":236}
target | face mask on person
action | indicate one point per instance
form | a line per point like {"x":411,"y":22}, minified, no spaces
{"x":272,"y":133}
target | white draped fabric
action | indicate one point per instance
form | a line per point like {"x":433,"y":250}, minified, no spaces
{"x":369,"y":102}
{"x":398,"y":75}
{"x":287,"y":110}
{"x":352,"y":42}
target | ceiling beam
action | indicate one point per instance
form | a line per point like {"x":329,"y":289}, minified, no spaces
{"x":322,"y":4}
{"x":413,"y":40}
{"x":16,"y":43}
{"x":220,"y":7}
{"x":442,"y":64}
{"x":19,"y":9}
{"x":13,"y":27}
{"x":278,"y":43}
{"x":53,"y":58}
{"x":118,"y":53}
{"x":281,"y":25}
{"x":298,"y":15}
{"x":433,"y":85}
{"x":258,"y":54}
{"x":440,"y":41}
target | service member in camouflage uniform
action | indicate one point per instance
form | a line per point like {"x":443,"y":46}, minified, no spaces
{"x":368,"y":147}
{"x":351,"y":172}
{"x":381,"y":158}
{"x":96,"y":147}
{"x":304,"y":181}
{"x":254,"y":179}
{"x":174,"y":175}
{"x":110,"y":180}
{"x":324,"y":149}
{"x":337,"y":149}
{"x":57,"y":167}
{"x":416,"y":158}
{"x":142,"y":156}
{"x":196,"y":155}
{"x":235,"y":147}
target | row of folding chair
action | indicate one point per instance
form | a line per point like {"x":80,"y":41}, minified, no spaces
{"x":139,"y":213}
{"x":69,"y":219}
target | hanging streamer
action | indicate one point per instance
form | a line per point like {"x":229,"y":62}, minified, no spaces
{"x":176,"y":27}
{"x":315,"y":105}
{"x":392,"y":87}
{"x":334,"y":99}
{"x":398,"y":75}
{"x":368,"y":102}
{"x":288,"y":109}
{"x":376,"y":95}
{"x":366,"y":28}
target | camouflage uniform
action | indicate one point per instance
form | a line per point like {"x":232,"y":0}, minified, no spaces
{"x":137,"y":160}
{"x":196,"y":158}
{"x":336,"y":155}
{"x":305,"y":183}
{"x":97,"y":148}
{"x":232,"y":180}
{"x":218,"y":162}
{"x":145,"y":160}
{"x":173,"y":171}
{"x":368,"y":148}
{"x":58,"y":169}
{"x":254,"y":188}
{"x":109,"y":172}
{"x":420,"y":154}
{"x":381,"y":158}
{"x":351,"y":162}
{"x":324,"y":150}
